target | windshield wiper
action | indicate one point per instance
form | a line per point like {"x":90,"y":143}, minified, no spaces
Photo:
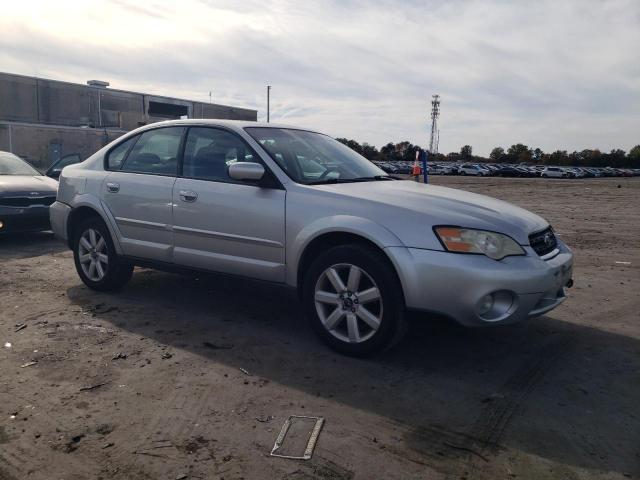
{"x":328,"y":181}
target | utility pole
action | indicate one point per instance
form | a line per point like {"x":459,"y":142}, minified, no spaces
{"x":268,"y":102}
{"x":435,"y":132}
{"x":209,"y":96}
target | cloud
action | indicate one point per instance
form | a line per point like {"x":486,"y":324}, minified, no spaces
{"x":549,"y":74}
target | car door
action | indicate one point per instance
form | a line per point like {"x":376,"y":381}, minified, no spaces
{"x":225,"y":225}
{"x":138,"y":191}
{"x":55,"y":169}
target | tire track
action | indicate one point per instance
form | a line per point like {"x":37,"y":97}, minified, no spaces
{"x":488,"y":430}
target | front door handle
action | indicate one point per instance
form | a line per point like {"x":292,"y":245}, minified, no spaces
{"x":188,"y":196}
{"x":113,"y":187}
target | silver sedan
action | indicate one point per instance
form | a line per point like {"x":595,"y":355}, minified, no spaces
{"x":298,"y":208}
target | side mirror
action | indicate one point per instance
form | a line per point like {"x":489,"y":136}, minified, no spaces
{"x":246,"y":171}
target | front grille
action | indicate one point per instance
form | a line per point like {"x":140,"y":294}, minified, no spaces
{"x":543,"y":242}
{"x":26,"y":201}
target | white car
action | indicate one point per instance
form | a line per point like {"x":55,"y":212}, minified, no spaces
{"x":469,"y":169}
{"x":553,"y":172}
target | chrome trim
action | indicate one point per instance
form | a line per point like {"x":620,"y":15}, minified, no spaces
{"x":229,"y":236}
{"x":551,"y":254}
{"x":133,"y":221}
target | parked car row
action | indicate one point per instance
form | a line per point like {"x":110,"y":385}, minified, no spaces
{"x":510,"y":170}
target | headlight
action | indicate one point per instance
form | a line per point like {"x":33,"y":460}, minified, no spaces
{"x":466,"y":240}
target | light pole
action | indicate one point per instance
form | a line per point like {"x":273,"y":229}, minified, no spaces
{"x":268,"y":101}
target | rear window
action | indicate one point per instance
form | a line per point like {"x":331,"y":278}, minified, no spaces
{"x":155,"y":152}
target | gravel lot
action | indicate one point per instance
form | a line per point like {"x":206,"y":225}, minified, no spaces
{"x":556,"y":397}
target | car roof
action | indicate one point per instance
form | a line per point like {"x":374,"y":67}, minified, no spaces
{"x":233,"y":124}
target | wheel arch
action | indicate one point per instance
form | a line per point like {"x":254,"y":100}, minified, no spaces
{"x":84,"y":210}
{"x":332,"y":237}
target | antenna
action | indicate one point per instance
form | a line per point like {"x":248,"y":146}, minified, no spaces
{"x":435,"y":132}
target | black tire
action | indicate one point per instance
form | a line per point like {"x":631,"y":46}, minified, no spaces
{"x":393,"y":324}
{"x":117,"y":272}
{"x":462,"y":172}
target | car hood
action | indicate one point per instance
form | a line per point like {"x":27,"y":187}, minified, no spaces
{"x":26,"y":184}
{"x":410,"y":210}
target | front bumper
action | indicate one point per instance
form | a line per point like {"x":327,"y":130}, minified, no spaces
{"x":34,"y":218}
{"x":456,"y":285}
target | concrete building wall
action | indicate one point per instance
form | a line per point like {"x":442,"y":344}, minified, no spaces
{"x":36,"y":100}
{"x":41,"y":145}
{"x":44,"y":116}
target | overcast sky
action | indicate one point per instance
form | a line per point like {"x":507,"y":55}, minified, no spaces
{"x":548,"y":73}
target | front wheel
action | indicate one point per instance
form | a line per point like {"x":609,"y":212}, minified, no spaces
{"x":97,"y":262}
{"x":354,"y":300}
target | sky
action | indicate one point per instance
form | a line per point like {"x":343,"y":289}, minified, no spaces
{"x":550,"y":74}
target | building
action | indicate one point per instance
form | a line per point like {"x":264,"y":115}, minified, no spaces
{"x":43,"y":120}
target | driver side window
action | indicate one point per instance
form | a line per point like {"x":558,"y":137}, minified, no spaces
{"x":209,"y":152}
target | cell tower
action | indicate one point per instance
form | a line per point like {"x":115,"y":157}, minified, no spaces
{"x":435,"y":132}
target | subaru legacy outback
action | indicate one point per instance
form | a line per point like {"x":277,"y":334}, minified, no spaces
{"x":298,"y":208}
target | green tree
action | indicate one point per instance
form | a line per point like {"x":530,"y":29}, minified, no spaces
{"x":536,"y":155}
{"x":559,"y":157}
{"x":369,"y":151}
{"x":466,"y":152}
{"x":387,"y":151}
{"x":519,"y":153}
{"x":617,"y":158}
{"x":497,"y":155}
{"x":633,"y":158}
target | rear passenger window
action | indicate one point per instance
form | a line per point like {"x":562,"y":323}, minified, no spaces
{"x":209,"y":152}
{"x":156,"y":152}
{"x":116,"y":156}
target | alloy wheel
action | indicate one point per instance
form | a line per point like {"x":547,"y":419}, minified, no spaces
{"x":92,"y":254}
{"x":348,"y":303}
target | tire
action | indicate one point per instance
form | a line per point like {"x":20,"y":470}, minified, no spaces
{"x":355,"y":332}
{"x":463,"y":172}
{"x":544,"y":175}
{"x":109,"y":272}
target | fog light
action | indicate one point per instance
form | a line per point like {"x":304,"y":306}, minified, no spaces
{"x":1,"y":224}
{"x":485,"y":304}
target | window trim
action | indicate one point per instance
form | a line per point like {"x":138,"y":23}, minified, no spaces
{"x":270,"y":180}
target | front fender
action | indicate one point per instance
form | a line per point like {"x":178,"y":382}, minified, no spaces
{"x":362,"y":227}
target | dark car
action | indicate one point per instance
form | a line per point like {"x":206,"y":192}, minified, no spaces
{"x":25,"y":196}
{"x":509,"y":172}
{"x":55,"y":170}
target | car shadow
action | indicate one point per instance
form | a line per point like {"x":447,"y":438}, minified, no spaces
{"x":549,"y":388}
{"x":26,"y":245}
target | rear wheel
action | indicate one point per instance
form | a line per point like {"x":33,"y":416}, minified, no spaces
{"x":354,"y":300}
{"x":97,"y":262}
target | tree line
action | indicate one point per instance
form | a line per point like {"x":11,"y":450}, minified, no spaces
{"x":518,"y":153}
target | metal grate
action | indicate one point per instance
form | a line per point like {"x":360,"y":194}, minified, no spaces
{"x":26,"y":201}
{"x":543,"y":242}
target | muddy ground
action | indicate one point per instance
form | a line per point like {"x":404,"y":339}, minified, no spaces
{"x":557,"y":397}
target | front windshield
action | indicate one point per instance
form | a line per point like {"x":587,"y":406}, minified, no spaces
{"x":313,"y":158}
{"x":13,"y":165}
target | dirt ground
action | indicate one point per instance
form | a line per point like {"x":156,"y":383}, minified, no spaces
{"x":210,"y":367}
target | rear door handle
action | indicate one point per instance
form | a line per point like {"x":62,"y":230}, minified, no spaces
{"x":188,"y":196}
{"x":113,"y":187}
